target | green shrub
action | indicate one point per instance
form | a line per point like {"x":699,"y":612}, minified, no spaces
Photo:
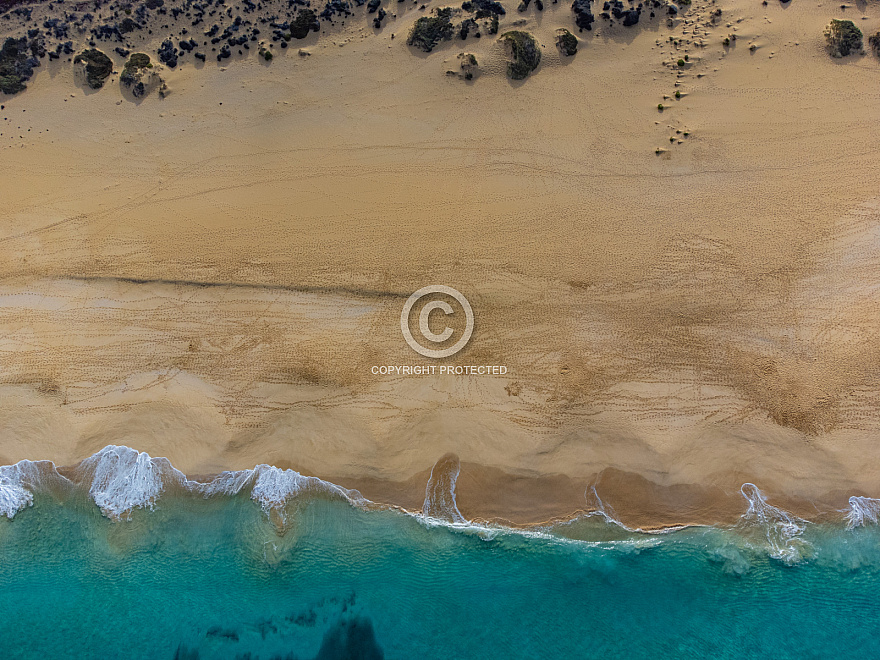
{"x":566,"y":42}
{"x":525,"y":55}
{"x":843,"y":38}
{"x":874,"y":42}
{"x":429,"y":30}
{"x":98,"y":67}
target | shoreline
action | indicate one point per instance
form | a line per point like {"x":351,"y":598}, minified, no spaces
{"x":629,"y":500}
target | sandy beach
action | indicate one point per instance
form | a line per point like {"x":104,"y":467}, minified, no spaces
{"x":685,"y":299}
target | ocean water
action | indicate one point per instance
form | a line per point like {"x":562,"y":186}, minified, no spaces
{"x":125,"y":559}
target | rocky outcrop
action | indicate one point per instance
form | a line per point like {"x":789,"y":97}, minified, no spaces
{"x":583,"y":16}
{"x":843,"y":38}
{"x":566,"y":42}
{"x":140,"y":78}
{"x":93,"y":67}
{"x":428,"y":31}
{"x":523,"y":54}
{"x":306,"y":21}
{"x":168,"y":53}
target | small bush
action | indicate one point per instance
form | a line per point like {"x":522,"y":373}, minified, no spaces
{"x":525,"y":55}
{"x":660,"y":107}
{"x":843,"y":38}
{"x":874,"y":42}
{"x":429,"y":30}
{"x":566,"y":42}
{"x":681,"y":63}
{"x":98,"y":67}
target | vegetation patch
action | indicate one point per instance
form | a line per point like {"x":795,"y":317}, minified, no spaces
{"x":843,"y":38}
{"x":524,"y":54}
{"x":874,"y":42}
{"x":484,"y":8}
{"x":429,"y":30}
{"x":566,"y":42}
{"x":98,"y":66}
{"x":16,"y":65}
{"x":137,"y":75}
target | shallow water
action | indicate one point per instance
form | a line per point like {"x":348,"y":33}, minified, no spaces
{"x":217,"y":578}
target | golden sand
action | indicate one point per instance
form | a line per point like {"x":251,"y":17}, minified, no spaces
{"x":211,"y":276}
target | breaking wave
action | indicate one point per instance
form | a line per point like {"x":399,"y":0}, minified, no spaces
{"x":862,"y":510}
{"x":121,"y":479}
{"x":781,"y":529}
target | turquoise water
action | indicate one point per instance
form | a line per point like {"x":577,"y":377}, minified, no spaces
{"x":215,"y":578}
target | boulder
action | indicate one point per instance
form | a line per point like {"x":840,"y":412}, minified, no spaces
{"x":583,"y":16}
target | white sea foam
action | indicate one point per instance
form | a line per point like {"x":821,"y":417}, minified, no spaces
{"x":14,"y":496}
{"x":19,"y":482}
{"x":862,"y":510}
{"x":123,"y":479}
{"x":781,"y":529}
{"x":272,"y":488}
{"x":440,"y":501}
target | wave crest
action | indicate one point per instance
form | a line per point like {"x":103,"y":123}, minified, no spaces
{"x":861,"y":511}
{"x":120,"y":479}
{"x":781,"y":529}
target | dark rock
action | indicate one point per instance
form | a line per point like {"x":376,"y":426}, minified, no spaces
{"x":168,"y":54}
{"x":306,"y":21}
{"x":583,"y":16}
{"x":631,"y":17}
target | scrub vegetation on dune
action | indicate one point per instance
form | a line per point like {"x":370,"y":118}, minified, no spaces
{"x":17,"y":62}
{"x":524,"y":54}
{"x":97,"y":67}
{"x":566,"y":42}
{"x":843,"y":38}
{"x":428,"y":31}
